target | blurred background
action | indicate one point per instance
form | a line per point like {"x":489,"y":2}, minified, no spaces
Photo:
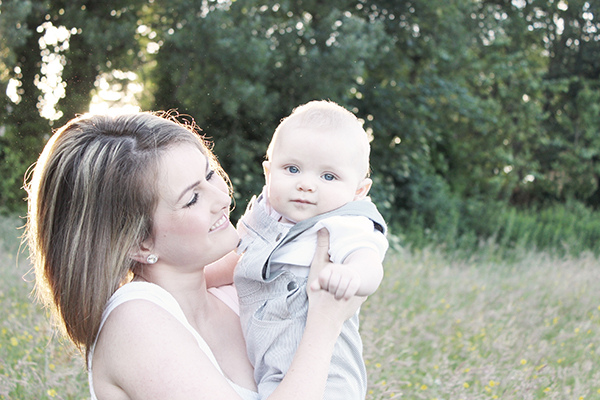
{"x":484,"y":114}
{"x":485,"y":125}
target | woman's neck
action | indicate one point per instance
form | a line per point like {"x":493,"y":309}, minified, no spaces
{"x":189,"y":289}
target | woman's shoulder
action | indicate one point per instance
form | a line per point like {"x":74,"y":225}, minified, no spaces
{"x":148,"y":301}
{"x":144,"y":311}
{"x":141,"y":309}
{"x":142,"y":291}
{"x":142,"y":341}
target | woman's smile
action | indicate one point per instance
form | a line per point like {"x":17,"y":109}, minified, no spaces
{"x":219,"y":223}
{"x":194,"y":232}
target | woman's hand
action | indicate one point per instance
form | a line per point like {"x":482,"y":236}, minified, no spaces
{"x":320,"y":300}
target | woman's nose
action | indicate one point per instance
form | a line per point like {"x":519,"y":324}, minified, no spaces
{"x":221,"y":196}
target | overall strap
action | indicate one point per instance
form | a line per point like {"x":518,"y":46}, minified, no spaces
{"x":353,"y":208}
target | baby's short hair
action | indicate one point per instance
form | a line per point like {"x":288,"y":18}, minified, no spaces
{"x":323,"y":115}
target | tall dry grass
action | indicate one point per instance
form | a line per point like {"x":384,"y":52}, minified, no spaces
{"x":478,"y":329}
{"x":35,"y":363}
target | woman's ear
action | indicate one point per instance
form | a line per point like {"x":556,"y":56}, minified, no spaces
{"x":363,"y":189}
{"x":141,"y":253}
{"x":267,"y":170}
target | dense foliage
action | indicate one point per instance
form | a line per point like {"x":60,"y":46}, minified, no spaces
{"x":476,"y":107}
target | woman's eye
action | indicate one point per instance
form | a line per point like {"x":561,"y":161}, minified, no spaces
{"x":329,"y":177}
{"x":192,"y":201}
{"x":293,"y":169}
{"x":210,"y":175}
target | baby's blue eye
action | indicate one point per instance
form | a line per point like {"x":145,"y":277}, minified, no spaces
{"x":293,"y":169}
{"x":329,"y":177}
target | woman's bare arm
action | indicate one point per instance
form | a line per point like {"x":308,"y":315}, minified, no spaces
{"x":220,"y":272}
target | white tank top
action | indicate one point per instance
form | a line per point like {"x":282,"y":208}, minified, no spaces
{"x":164,"y":299}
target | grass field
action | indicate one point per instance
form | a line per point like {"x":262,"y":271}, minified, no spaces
{"x":438,"y":328}
{"x":35,"y":362}
{"x":477,"y":329}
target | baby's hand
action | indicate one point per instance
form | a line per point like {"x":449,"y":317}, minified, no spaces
{"x":339,"y":280}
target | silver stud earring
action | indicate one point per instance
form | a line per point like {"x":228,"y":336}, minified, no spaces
{"x":152,"y":259}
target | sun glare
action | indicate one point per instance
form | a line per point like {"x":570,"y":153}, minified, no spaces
{"x":116,"y":93}
{"x":54,"y":42}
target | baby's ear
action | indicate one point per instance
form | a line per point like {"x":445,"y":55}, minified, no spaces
{"x":363,"y":189}
{"x":267,"y":170}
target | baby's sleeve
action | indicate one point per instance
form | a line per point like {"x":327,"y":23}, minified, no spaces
{"x":349,"y":233}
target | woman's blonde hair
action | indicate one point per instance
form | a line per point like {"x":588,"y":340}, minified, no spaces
{"x":92,"y":196}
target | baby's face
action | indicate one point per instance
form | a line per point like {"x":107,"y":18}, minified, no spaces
{"x":311,"y":173}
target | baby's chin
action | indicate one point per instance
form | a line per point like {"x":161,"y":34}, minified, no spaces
{"x":286,"y":220}
{"x":298,"y":218}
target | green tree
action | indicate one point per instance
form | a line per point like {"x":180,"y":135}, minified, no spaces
{"x":240,"y":68}
{"x":571,"y":156}
{"x":21,"y":125}
{"x":472,"y":105}
{"x":98,"y":37}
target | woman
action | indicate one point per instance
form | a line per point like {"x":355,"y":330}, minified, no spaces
{"x":125,"y":213}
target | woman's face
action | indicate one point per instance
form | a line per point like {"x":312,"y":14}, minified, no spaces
{"x":191,"y":222}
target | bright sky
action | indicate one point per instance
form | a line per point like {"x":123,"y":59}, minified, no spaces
{"x":112,"y":95}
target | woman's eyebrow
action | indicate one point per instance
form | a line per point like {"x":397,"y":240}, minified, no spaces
{"x":187,"y":189}
{"x":193,"y":185}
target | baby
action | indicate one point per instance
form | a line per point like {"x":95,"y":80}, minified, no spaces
{"x":316,"y":176}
